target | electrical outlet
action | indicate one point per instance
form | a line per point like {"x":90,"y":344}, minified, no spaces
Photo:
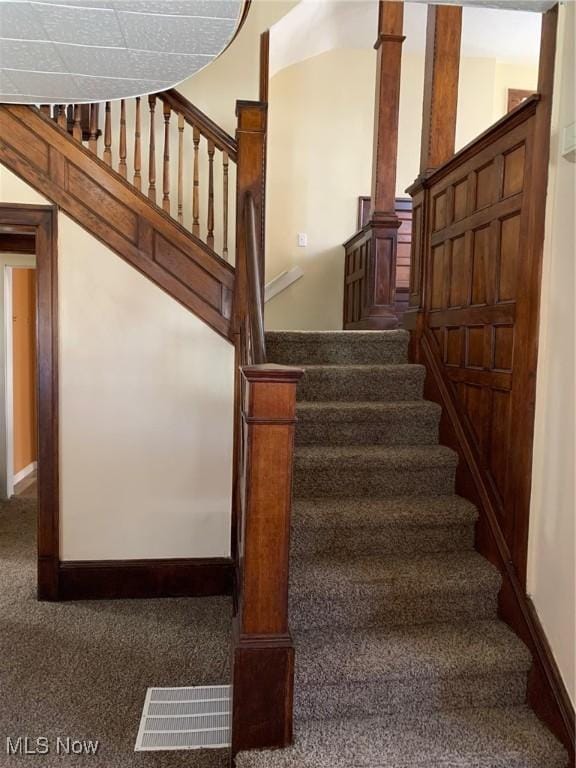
{"x":302,"y":239}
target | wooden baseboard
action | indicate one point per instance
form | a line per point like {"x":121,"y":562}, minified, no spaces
{"x":554,"y":679}
{"x":546,"y":694}
{"x":113,"y":579}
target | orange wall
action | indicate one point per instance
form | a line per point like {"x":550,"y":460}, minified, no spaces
{"x":24,"y":357}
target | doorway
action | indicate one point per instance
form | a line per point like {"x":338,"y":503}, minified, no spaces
{"x":29,"y":374}
{"x":19,"y":426}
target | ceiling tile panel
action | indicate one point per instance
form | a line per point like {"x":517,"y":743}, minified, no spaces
{"x":87,"y":26}
{"x":176,"y":34}
{"x":23,"y":54}
{"x":19,"y":21}
{"x":6,"y":84}
{"x":147,"y":64}
{"x":89,"y":88}
{"x":51,"y":85}
{"x":107,"y":62}
{"x":224,"y":9}
{"x":99,"y":50}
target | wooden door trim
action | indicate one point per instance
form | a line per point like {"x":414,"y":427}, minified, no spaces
{"x":17,"y":219}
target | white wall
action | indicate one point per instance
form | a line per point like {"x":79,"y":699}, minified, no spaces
{"x":551,"y":564}
{"x":146,"y":399}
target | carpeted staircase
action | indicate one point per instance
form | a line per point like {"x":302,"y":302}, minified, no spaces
{"x":401,"y":661}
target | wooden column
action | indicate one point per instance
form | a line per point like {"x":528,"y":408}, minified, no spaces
{"x":263,"y":651}
{"x":441,"y":70}
{"x":439,"y":111}
{"x":381,"y":232}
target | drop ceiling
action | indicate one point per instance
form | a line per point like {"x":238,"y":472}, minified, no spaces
{"x":61,"y":51}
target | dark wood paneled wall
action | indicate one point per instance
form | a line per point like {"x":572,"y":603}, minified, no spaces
{"x":478,"y":229}
{"x":471,"y":229}
{"x":357,"y":259}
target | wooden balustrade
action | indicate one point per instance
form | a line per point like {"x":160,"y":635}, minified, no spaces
{"x":195,"y":175}
{"x":265,"y":394}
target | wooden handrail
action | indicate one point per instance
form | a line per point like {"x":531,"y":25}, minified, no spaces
{"x":198,"y":119}
{"x":254,"y":285}
{"x":190,"y":184}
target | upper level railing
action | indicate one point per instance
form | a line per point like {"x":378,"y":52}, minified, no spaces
{"x":170,"y":151}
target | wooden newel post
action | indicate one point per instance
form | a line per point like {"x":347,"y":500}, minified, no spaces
{"x":263,"y":652}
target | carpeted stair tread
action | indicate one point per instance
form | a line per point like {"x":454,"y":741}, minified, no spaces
{"x":367,"y":423}
{"x":390,"y":383}
{"x":394,"y":526}
{"x":440,"y":573}
{"x":341,"y":347}
{"x":382,"y":471}
{"x":403,"y":511}
{"x":373,"y":456}
{"x":377,"y":671}
{"x":469,"y":738}
{"x":419,"y":651}
{"x":392,"y":591}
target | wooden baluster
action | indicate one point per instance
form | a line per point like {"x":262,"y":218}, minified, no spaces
{"x":62,"y":119}
{"x":180,"y":167}
{"x":196,"y":187}
{"x":77,"y":126}
{"x":166,"y":170}
{"x":108,"y":135}
{"x":137,"y":148}
{"x":152,"y":154}
{"x":225,"y":206}
{"x":122,"y":170}
{"x":45,"y":109}
{"x":93,"y":139}
{"x":210,"y":221}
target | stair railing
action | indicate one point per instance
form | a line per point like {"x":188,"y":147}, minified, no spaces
{"x":263,"y":651}
{"x":265,"y":393}
{"x":185,"y":165}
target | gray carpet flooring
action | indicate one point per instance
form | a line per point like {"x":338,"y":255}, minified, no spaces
{"x":401,"y":661}
{"x":81,"y":669}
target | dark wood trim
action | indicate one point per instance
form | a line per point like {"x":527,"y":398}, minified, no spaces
{"x":44,"y":221}
{"x":115,"y":212}
{"x":502,"y":529}
{"x":528,"y":312}
{"x":121,"y":579}
{"x":549,"y":669}
{"x":12,"y":242}
{"x":263,"y":651}
{"x":546,"y":692}
{"x":441,"y":73}
{"x":264,"y":65}
{"x":194,"y":116}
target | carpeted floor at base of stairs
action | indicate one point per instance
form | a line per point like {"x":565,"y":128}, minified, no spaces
{"x":401,"y":661}
{"x":81,"y":669}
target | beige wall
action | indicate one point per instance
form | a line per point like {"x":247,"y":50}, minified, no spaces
{"x":235,"y":74}
{"x":319,"y":162}
{"x":551,"y":564}
{"x":146,"y":410}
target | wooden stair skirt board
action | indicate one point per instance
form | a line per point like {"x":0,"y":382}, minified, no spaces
{"x":115,"y":212}
{"x":121,"y":579}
